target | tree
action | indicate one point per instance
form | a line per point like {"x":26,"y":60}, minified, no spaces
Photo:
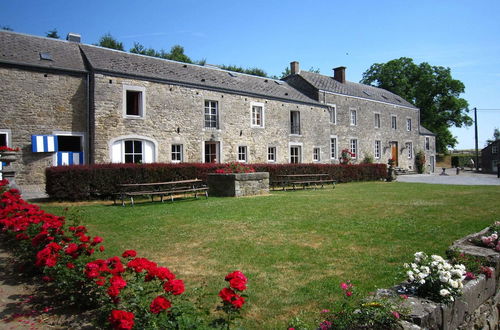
{"x":431,"y":89}
{"x":252,"y":71}
{"x":176,"y":53}
{"x":496,"y":136}
{"x":108,"y":41}
{"x":53,"y":34}
{"x":7,"y":28}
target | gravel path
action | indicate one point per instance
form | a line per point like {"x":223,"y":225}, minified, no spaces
{"x":464,"y":178}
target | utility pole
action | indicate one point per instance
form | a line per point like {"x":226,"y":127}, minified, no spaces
{"x":475,"y":135}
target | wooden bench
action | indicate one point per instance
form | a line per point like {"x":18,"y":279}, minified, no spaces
{"x":304,"y":180}
{"x":162,"y":189}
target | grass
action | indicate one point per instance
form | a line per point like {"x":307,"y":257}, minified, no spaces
{"x":295,"y":247}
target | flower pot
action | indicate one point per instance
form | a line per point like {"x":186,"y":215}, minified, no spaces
{"x":8,"y":156}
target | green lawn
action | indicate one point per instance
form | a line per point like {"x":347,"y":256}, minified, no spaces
{"x":295,"y":247}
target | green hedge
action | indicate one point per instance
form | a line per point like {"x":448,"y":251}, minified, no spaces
{"x":84,"y":182}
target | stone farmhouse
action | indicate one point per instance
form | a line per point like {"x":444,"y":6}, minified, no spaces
{"x":64,"y":102}
{"x":490,"y":157}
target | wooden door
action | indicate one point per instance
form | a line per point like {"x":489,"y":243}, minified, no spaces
{"x":394,"y":153}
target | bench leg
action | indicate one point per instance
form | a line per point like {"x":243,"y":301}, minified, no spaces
{"x":161,"y":198}
{"x":132,"y":200}
{"x":206,"y":194}
{"x":123,"y":199}
{"x":151,"y":198}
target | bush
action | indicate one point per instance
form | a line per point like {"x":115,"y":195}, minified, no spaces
{"x":100,"y":181}
{"x":461,"y":160}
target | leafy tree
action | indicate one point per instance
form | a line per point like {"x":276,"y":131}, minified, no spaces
{"x":252,"y":71}
{"x":108,"y":41}
{"x":431,"y":89}
{"x":496,"y":136}
{"x":53,"y":34}
{"x":7,"y":28}
{"x":176,"y":53}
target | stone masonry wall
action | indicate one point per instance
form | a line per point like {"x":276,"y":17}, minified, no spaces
{"x":38,"y":103}
{"x":366,"y":133}
{"x":175,"y":115}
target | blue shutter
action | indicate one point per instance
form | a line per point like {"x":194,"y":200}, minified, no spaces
{"x":70,"y":158}
{"x":44,"y":143}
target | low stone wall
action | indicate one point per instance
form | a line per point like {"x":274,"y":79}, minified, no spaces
{"x":238,"y":184}
{"x":477,"y":308}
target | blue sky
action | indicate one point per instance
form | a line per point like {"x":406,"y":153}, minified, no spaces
{"x":461,"y":35}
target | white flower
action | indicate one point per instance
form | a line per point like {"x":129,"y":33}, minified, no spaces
{"x":437,"y":258}
{"x":419,"y":256}
{"x":454,"y":284}
{"x":444,"y":292}
{"x":422,"y":281}
{"x":444,"y":277}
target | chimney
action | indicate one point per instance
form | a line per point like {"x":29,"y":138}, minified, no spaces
{"x":339,"y":74}
{"x":73,"y":37}
{"x":294,"y":67}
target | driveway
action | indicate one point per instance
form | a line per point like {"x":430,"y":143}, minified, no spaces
{"x":464,"y":178}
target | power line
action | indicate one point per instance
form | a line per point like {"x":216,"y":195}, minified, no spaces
{"x":487,"y":109}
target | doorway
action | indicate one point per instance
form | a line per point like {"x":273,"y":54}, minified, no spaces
{"x":394,"y":153}
{"x":212,"y":151}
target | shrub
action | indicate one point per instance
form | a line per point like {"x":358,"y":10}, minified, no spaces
{"x":100,"y":181}
{"x":420,"y":161}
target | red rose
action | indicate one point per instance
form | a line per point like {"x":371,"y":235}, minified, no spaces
{"x":227,"y":294}
{"x":159,"y":304}
{"x":237,"y":280}
{"x":118,"y":281}
{"x":97,"y":240}
{"x":121,"y":320}
{"x":71,"y":248}
{"x":129,"y":254}
{"x":70,"y":265}
{"x":238,"y":302}
{"x":176,"y":287}
{"x":101,"y":248}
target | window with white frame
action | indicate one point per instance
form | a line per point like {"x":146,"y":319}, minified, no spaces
{"x":242,"y":154}
{"x":394,"y":123}
{"x":377,"y":120}
{"x":377,"y":150}
{"x":332,"y":109}
{"x":333,"y":148}
{"x":316,"y":154}
{"x":211,"y":114}
{"x":133,"y":150}
{"x":295,"y":122}
{"x":354,"y":147}
{"x":295,"y":154}
{"x":134,"y":101}
{"x":427,"y":143}
{"x":257,"y":115}
{"x":177,"y":153}
{"x":3,"y":139}
{"x":271,"y":154}
{"x":409,"y":148}
{"x":408,"y":124}
{"x":354,"y":117}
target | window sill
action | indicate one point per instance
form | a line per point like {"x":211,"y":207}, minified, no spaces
{"x":133,"y":117}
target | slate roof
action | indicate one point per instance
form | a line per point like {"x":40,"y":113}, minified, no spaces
{"x":118,"y":62}
{"x":425,"y":131}
{"x":348,"y":88}
{"x":16,"y":48}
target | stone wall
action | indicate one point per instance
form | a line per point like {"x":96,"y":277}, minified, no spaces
{"x":238,"y":184}
{"x":39,"y":103}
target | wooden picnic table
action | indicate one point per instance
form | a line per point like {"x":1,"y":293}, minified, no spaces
{"x":305,"y":180}
{"x":168,"y":188}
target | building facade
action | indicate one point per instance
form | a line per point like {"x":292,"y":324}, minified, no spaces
{"x":490,"y":157}
{"x":66,"y":103}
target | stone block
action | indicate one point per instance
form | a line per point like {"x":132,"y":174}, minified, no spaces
{"x":238,"y":184}
{"x":425,"y":313}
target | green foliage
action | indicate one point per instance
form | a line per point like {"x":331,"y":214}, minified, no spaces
{"x":53,"y":34}
{"x":496,"y":136}
{"x":252,"y":71}
{"x":420,"y":161}
{"x":176,"y":53}
{"x":430,"y":88}
{"x":461,"y":160}
{"x":7,"y":28}
{"x":367,"y":160}
{"x":108,"y":41}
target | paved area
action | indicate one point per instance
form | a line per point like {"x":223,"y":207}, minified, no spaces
{"x":463,"y":178}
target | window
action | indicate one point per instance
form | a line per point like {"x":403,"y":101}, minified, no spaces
{"x":333,"y":148}
{"x":408,"y":124}
{"x":134,"y":101}
{"x":377,"y":120}
{"x":394,"y":122}
{"x":3,"y":139}
{"x":295,"y":154}
{"x":177,"y":153}
{"x":211,"y":114}
{"x":378,"y":145}
{"x":332,"y":109}
{"x":271,"y":154}
{"x":133,"y":151}
{"x":409,"y":147}
{"x":494,"y":149}
{"x":212,"y":152}
{"x":316,"y":154}
{"x":354,"y":147}
{"x":257,"y":116}
{"x":242,"y":154}
{"x":69,"y":143}
{"x":354,"y":118}
{"x":295,"y":122}
{"x":427,"y":143}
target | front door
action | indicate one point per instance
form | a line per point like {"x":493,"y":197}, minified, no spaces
{"x":394,"y":152}
{"x":432,"y":163}
{"x":212,"y":152}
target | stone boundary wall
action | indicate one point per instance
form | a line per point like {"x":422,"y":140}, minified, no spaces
{"x":477,"y":308}
{"x":238,"y":184}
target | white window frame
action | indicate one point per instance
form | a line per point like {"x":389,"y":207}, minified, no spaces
{"x":376,"y":120}
{"x":334,"y":147}
{"x":271,"y":150}
{"x":210,"y":115}
{"x":354,"y":147}
{"x":408,"y":124}
{"x":7,"y":134}
{"x":119,"y":142}
{"x":82,"y":141}
{"x":377,"y":149}
{"x":409,"y":146}
{"x":142,"y":103}
{"x":243,"y":154}
{"x":353,"y":117}
{"x":218,"y":151}
{"x":300,"y":148}
{"x":298,"y":121}
{"x":427,"y":143}
{"x":316,"y":154}
{"x":253,"y":119}
{"x":179,"y":152}
{"x":394,"y":122}
{"x":332,"y":111}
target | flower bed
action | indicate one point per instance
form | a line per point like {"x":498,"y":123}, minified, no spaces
{"x":129,"y":291}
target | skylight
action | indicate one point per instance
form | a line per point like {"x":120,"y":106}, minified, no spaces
{"x":46,"y":56}
{"x":366,"y":93}
{"x":232,"y":74}
{"x":279,"y":82}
